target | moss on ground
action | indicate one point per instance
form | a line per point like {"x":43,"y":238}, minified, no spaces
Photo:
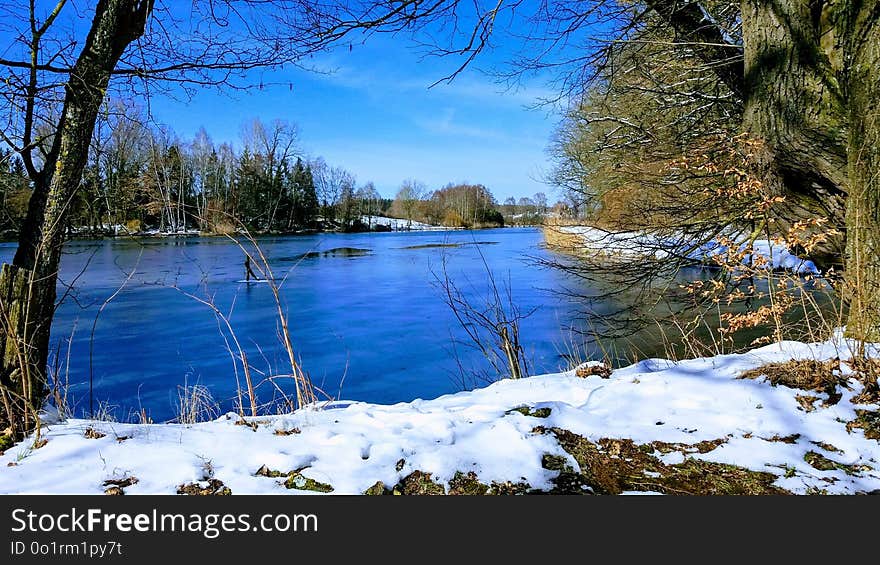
{"x":378,"y":489}
{"x":298,"y":481}
{"x":612,"y":466}
{"x":527,"y":411}
{"x":418,"y":483}
{"x":210,"y":487}
{"x":294,"y":480}
{"x":467,"y":484}
{"x":821,"y":463}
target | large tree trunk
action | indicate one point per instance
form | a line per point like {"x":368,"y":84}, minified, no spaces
{"x":27,"y":286}
{"x":795,"y":107}
{"x":791,"y":81}
{"x":863,"y":205}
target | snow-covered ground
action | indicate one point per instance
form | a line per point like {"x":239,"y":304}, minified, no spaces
{"x":352,"y":445}
{"x":398,"y":224}
{"x":636,"y":244}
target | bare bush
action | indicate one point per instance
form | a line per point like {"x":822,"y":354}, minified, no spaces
{"x":493,"y":326}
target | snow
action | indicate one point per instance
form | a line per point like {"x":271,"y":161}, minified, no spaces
{"x":351,"y":445}
{"x":398,"y":224}
{"x":639,"y":244}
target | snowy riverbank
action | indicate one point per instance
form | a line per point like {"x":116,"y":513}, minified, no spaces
{"x":687,"y":422}
{"x":630,"y":245}
{"x":398,"y":224}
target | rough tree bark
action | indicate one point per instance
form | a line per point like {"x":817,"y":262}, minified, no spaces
{"x":862,"y":33}
{"x":795,"y":105}
{"x":27,"y":286}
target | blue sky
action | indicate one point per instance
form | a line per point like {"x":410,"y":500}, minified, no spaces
{"x":374,"y":114}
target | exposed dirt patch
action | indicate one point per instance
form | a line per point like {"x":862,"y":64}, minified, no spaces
{"x":806,"y":402}
{"x":611,"y":466}
{"x":555,"y":462}
{"x":294,"y":479}
{"x":293,"y":431}
{"x":827,"y":446}
{"x":790,"y":439}
{"x":585,"y":370}
{"x":868,"y":421}
{"x":821,"y":463}
{"x":245,"y":423}
{"x":527,"y":411}
{"x":92,"y":433}
{"x":115,"y":487}
{"x":298,"y":481}
{"x":700,"y":447}
{"x":868,"y":373}
{"x":467,"y":484}
{"x":210,"y":487}
{"x":461,"y":484}
{"x":508,"y":488}
{"x":806,"y":374}
{"x":418,"y":483}
{"x":265,"y":471}
{"x":378,"y":489}
{"x":40,"y":443}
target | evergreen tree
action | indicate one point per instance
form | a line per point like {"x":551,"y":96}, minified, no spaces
{"x":309,"y":198}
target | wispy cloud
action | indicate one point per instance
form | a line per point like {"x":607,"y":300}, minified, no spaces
{"x":445,"y":124}
{"x":381,"y":78}
{"x":487,"y":90}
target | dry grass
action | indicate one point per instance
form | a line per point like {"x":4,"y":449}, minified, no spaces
{"x":195,"y":404}
{"x":560,"y":240}
{"x":867,"y":372}
{"x":805,"y":374}
{"x":868,"y":421}
{"x":92,"y":433}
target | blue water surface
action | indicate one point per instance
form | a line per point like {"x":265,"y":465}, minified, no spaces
{"x":368,"y":322}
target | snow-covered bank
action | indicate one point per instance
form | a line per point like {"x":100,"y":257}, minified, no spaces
{"x":398,"y":224}
{"x":640,"y":244}
{"x":690,"y":413}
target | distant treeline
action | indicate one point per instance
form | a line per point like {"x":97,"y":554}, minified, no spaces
{"x":142,"y":177}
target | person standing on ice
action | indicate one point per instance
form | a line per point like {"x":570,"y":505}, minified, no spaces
{"x":247,"y":267}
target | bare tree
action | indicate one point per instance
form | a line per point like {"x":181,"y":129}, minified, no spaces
{"x":55,"y":82}
{"x":330,"y":184}
{"x":408,"y":197}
